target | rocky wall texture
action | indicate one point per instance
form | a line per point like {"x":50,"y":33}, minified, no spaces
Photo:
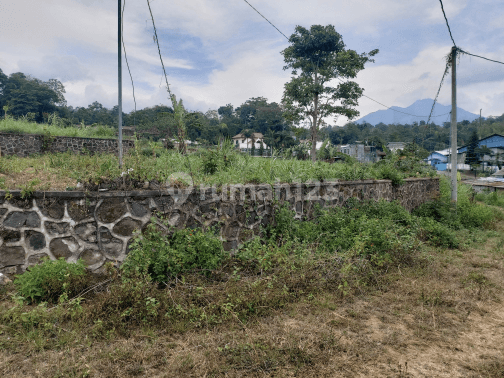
{"x":99,"y":226}
{"x":24,"y":145}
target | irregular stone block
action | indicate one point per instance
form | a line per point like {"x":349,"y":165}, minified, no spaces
{"x":91,"y":257}
{"x":36,"y":258}
{"x":193,"y":223}
{"x":11,"y":256}
{"x":54,"y":228}
{"x":126,"y":227}
{"x":22,"y":203}
{"x":17,"y":219}
{"x":36,"y":240}
{"x":2,"y":211}
{"x":86,"y":231}
{"x":50,"y":207}
{"x":80,"y":209}
{"x":111,"y":246}
{"x":230,"y":245}
{"x":138,"y":210}
{"x":63,"y":247}
{"x":10,"y":236}
{"x":164,"y":204}
{"x":111,"y":209}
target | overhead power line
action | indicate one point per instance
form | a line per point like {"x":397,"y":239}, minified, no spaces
{"x":477,"y":56}
{"x":398,"y":111}
{"x":388,"y":107}
{"x":266,"y":19}
{"x":126,"y":58}
{"x":449,"y":31}
{"x":439,"y":90}
{"x":159,"y":51}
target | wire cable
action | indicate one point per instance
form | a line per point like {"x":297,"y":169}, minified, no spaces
{"x":159,"y":51}
{"x":477,"y":56}
{"x":444,"y":14}
{"x":266,"y":19}
{"x":388,"y":107}
{"x":398,"y":111}
{"x":439,"y":90}
{"x":127,"y":64}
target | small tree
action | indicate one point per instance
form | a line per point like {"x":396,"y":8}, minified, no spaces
{"x":471,"y":156}
{"x":247,"y":134}
{"x":316,"y":57}
{"x":261,"y":149}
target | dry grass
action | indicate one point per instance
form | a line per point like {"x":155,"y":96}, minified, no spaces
{"x":441,"y":318}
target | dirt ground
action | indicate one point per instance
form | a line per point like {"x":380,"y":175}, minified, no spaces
{"x":443,"y":319}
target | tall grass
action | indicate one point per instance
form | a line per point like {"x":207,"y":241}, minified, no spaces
{"x":55,"y":128}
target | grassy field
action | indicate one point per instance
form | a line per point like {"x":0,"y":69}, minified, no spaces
{"x":222,"y":165}
{"x":55,"y":128}
{"x":366,"y":290}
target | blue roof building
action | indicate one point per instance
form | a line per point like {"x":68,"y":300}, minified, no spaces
{"x":492,"y":141}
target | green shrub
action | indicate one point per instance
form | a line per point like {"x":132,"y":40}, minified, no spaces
{"x":493,"y":198}
{"x":437,"y":233}
{"x":376,"y":231}
{"x":51,"y":279}
{"x":160,"y":257}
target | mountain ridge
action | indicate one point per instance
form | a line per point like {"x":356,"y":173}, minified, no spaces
{"x":418,"y":111}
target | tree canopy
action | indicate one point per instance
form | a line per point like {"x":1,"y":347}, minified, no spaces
{"x":316,"y":57}
{"x":21,"y":94}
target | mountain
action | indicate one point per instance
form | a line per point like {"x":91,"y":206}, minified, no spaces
{"x":422,"y":109}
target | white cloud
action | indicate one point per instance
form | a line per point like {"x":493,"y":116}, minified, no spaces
{"x":76,"y":42}
{"x":256,"y":71}
{"x":66,"y":68}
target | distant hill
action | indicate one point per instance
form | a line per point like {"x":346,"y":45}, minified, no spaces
{"x":420,"y":108}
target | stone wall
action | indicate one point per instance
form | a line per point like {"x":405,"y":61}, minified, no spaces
{"x":98,"y":226}
{"x":27,"y":144}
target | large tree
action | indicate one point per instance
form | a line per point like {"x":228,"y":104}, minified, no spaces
{"x":317,"y":57}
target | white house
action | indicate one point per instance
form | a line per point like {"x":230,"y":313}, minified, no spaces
{"x":394,"y":146}
{"x":245,"y":144}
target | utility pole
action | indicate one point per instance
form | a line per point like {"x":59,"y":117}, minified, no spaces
{"x":480,"y":118}
{"x":454,"y":126}
{"x":119,"y":61}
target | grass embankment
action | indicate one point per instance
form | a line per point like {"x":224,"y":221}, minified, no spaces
{"x":149,"y":162}
{"x":20,"y":126}
{"x":365,"y":290}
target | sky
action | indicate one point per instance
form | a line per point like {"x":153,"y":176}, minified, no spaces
{"x":218,"y":52}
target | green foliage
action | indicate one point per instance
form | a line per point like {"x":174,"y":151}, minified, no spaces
{"x":467,"y":213}
{"x":219,"y":159}
{"x":49,"y":131}
{"x":436,"y":232}
{"x":51,"y":279}
{"x":161,"y":257}
{"x":493,"y":198}
{"x":317,"y":56}
{"x":378,"y":231}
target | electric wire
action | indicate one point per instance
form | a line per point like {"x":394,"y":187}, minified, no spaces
{"x":266,"y":19}
{"x":159,"y":51}
{"x":388,"y":107}
{"x":446,"y":19}
{"x":439,"y":90}
{"x":127,"y":64}
{"x":398,"y":111}
{"x":477,"y":56}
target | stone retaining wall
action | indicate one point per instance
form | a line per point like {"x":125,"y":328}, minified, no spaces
{"x":98,"y":226}
{"x":24,"y":145}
